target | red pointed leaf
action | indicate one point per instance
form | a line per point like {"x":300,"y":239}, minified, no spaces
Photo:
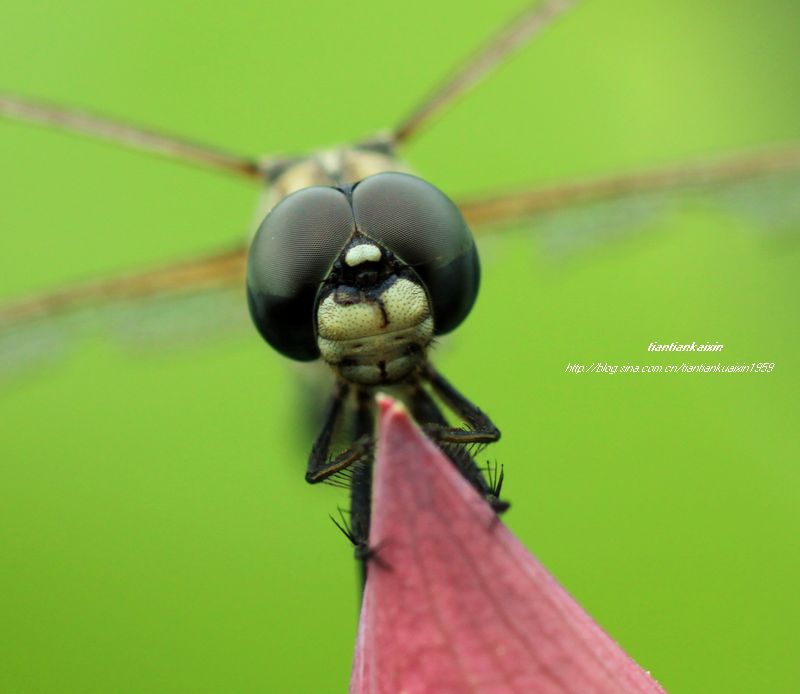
{"x":455,"y":603}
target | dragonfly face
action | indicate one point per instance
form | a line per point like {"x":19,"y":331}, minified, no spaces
{"x":363,"y":275}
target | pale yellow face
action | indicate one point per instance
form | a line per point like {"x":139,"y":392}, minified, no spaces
{"x":370,"y":340}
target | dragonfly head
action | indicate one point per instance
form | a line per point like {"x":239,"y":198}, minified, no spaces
{"x":363,"y":275}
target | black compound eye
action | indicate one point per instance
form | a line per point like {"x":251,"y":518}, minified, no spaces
{"x":422,"y":226}
{"x":291,"y":254}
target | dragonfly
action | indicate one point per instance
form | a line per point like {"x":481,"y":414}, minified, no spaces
{"x":362,"y":256}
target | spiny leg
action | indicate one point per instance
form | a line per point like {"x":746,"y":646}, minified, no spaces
{"x":481,"y":428}
{"x":361,"y":484}
{"x":318,"y":457}
{"x":320,"y":465}
{"x":427,"y":413}
{"x":359,"y":456}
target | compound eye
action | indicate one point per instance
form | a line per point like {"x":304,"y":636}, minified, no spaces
{"x":422,"y":227}
{"x":291,"y":254}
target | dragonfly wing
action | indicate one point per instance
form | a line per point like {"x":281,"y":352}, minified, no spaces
{"x":515,"y":34}
{"x":172,"y":303}
{"x":761,"y":186}
{"x":71,"y":120}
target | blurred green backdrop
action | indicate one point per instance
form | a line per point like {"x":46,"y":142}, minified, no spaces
{"x":156,"y":533}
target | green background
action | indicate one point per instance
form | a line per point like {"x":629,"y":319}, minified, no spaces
{"x":156,"y":533}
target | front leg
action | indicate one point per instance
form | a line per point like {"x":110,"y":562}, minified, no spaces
{"x":320,"y":466}
{"x":481,"y":428}
{"x":453,"y":442}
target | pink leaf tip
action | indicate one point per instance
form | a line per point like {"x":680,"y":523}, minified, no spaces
{"x":454,"y":603}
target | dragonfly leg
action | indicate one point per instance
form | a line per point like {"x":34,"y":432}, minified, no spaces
{"x":359,"y":456}
{"x":319,"y":451}
{"x":453,"y":442}
{"x":361,"y":485}
{"x":320,"y":465}
{"x":481,"y":428}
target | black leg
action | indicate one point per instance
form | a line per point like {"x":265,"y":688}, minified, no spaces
{"x":319,"y":451}
{"x":320,"y":466}
{"x":361,"y":484}
{"x":427,"y":413}
{"x":481,"y":428}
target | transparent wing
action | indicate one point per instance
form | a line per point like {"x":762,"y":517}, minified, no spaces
{"x":762,"y":186}
{"x":511,"y":37}
{"x":175,"y":303}
{"x":19,"y":108}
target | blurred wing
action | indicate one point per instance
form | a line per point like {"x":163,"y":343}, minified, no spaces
{"x":511,"y":37}
{"x":19,"y":108}
{"x":763,"y":186}
{"x":175,"y":302}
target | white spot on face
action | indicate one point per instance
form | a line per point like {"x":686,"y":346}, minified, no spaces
{"x":362,"y":253}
